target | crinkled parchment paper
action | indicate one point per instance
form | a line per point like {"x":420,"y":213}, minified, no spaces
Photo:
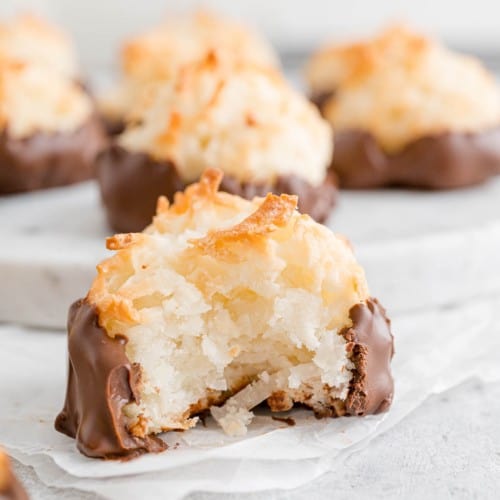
{"x":434,"y":351}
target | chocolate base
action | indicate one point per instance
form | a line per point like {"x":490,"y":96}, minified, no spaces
{"x":130,"y":185}
{"x":444,"y":161}
{"x":132,"y":182}
{"x":48,"y":160}
{"x":101,"y":381}
{"x":371,"y":347}
{"x":441,"y":161}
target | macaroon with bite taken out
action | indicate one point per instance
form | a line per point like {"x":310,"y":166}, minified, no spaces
{"x":222,"y":303}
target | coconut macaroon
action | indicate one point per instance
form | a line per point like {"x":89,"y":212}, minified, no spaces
{"x":221,"y":303}
{"x":48,"y":134}
{"x":10,"y":487}
{"x":28,"y":38}
{"x":159,"y":53}
{"x":407,"y":111}
{"x":244,"y":119}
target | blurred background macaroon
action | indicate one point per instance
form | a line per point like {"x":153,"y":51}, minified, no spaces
{"x":202,"y":91}
{"x":242,"y":117}
{"x":157,"y":54}
{"x":407,"y":111}
{"x":49,"y":131}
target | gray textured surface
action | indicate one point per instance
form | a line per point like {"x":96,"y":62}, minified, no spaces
{"x":447,"y":448}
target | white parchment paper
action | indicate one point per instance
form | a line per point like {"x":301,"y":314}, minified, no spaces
{"x":434,"y":351}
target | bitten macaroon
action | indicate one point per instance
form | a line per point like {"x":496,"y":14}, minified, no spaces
{"x":221,"y":303}
{"x":49,"y":134}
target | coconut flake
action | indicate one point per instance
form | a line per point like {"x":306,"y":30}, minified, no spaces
{"x":235,"y":415}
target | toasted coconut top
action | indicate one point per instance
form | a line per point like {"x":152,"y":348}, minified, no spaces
{"x":401,"y":85}
{"x":159,"y":53}
{"x":34,"y":99}
{"x":245,"y":120}
{"x":220,"y":291}
{"x":28,"y":38}
{"x":205,"y":227}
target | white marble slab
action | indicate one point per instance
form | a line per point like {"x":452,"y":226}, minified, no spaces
{"x":419,"y":249}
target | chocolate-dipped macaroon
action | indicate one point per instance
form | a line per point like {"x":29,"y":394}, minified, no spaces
{"x":160,"y":52}
{"x":222,"y":304}
{"x":10,"y":487}
{"x":407,"y":112}
{"x":49,"y":135}
{"x":243,"y":119}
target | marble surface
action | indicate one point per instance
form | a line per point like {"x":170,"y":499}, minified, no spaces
{"x":447,"y":448}
{"x":444,"y":247}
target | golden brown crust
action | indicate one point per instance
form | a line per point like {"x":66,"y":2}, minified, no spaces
{"x":361,"y":59}
{"x":57,"y":104}
{"x":33,"y":40}
{"x":206,"y":188}
{"x":280,"y":401}
{"x":159,"y":52}
{"x":274,"y":212}
{"x":121,"y":241}
{"x":139,"y":428}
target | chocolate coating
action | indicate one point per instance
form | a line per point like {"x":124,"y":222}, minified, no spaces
{"x":132,"y":182}
{"x":130,"y":185}
{"x":444,"y":161}
{"x":48,"y":160}
{"x":10,"y":487}
{"x":101,"y":381}
{"x":371,"y":347}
